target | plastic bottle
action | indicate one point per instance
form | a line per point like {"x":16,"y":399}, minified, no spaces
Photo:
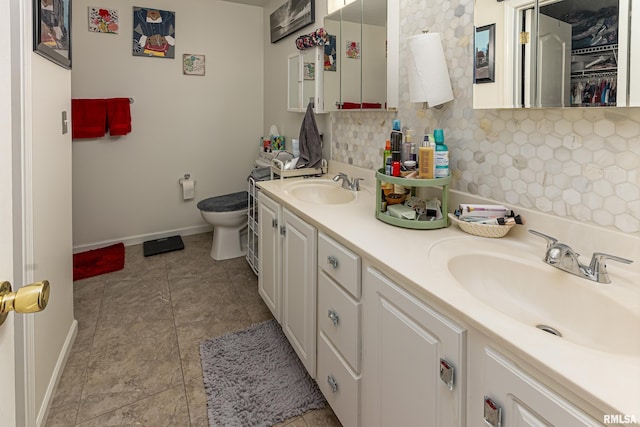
{"x":441,"y":155}
{"x":406,"y":147}
{"x":386,"y":153}
{"x":426,"y":159}
{"x":396,"y":142}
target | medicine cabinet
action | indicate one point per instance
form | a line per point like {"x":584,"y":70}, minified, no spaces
{"x":555,"y":54}
{"x":305,"y":80}
{"x":363,"y":44}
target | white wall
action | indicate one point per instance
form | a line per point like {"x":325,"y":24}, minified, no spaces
{"x":275,"y":77}
{"x":127,"y":188}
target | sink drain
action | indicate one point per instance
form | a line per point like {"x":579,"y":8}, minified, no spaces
{"x":549,"y":329}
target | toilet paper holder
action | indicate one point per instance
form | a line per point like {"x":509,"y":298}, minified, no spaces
{"x":186,"y":176}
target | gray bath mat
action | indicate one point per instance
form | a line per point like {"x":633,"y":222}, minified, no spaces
{"x":254,"y":378}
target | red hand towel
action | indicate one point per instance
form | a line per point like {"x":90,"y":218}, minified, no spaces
{"x":88,"y":118}
{"x":118,"y":116}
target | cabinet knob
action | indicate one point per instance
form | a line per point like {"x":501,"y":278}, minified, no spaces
{"x":332,"y":261}
{"x":274,"y":222}
{"x":332,"y":383}
{"x":446,"y":373}
{"x":335,"y":319}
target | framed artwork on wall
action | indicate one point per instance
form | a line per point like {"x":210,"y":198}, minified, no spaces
{"x":485,"y":51}
{"x":290,"y":17}
{"x":154,"y":33}
{"x":52,"y":30}
{"x":192,"y":64}
{"x":103,"y":20}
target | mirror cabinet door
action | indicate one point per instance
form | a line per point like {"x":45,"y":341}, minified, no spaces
{"x":551,"y":54}
{"x":294,"y":95}
{"x":332,"y":66}
{"x":351,"y":56}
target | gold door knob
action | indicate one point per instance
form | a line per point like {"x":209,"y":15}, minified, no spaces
{"x":28,"y":299}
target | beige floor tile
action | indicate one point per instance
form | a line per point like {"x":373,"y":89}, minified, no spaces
{"x":167,"y":408}
{"x":136,"y":358}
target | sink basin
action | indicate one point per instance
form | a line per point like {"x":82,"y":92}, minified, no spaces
{"x":320,"y":191}
{"x":518,"y":284}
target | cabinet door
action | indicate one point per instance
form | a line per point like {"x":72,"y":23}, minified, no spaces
{"x":524,"y":401}
{"x":403,"y":342}
{"x":269,"y":248}
{"x":299,"y":287}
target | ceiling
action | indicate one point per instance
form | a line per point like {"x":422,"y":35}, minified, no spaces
{"x":260,"y":3}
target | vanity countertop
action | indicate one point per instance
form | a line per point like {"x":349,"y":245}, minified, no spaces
{"x":610,"y":382}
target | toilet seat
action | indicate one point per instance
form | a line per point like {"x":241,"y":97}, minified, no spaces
{"x":225,"y":203}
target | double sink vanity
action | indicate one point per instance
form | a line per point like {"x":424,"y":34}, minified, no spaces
{"x":441,"y":328}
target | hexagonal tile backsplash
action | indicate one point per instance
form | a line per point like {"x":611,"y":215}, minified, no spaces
{"x":579,"y":163}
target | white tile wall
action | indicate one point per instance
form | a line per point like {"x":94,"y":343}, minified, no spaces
{"x":579,"y":163}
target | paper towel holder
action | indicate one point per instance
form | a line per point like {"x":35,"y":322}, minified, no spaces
{"x":419,"y":92}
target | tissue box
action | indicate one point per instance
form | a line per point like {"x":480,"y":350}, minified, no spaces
{"x":401,"y":211}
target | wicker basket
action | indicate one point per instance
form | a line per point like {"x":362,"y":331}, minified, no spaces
{"x":482,"y":230}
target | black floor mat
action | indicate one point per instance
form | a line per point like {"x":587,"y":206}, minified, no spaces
{"x":160,"y":246}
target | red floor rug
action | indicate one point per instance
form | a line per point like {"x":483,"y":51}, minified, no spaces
{"x":98,"y":261}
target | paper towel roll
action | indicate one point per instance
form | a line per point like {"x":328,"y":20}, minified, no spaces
{"x":427,"y":68}
{"x":188,"y":189}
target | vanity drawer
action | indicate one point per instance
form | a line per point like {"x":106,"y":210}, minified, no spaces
{"x":339,"y":263}
{"x":338,"y":383}
{"x":339,"y":319}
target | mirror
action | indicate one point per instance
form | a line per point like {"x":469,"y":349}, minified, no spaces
{"x":551,"y":53}
{"x":355,"y":58}
{"x":293,"y":67}
{"x":304,"y":82}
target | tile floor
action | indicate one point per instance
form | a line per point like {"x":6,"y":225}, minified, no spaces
{"x":136,"y":357}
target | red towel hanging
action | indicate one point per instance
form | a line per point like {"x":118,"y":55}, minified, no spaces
{"x":118,"y":116}
{"x":88,"y":118}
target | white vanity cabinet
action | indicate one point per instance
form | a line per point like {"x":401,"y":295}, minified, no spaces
{"x":413,"y":359}
{"x":503,"y":393}
{"x":287,"y":281}
{"x":339,"y":308}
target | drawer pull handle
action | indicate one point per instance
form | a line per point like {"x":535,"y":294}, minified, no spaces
{"x":335,"y":319}
{"x":333,"y":261}
{"x":332,"y":383}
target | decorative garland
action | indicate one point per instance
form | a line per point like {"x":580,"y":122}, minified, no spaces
{"x":317,"y":38}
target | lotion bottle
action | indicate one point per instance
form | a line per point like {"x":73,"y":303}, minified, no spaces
{"x":426,"y":159}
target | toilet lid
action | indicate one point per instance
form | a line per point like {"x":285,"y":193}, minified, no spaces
{"x":225,"y":203}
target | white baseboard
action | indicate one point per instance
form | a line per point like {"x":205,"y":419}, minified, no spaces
{"x":136,"y":240}
{"x":43,"y":412}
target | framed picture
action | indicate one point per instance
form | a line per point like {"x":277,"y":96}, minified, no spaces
{"x":290,"y":17}
{"x":309,"y":71}
{"x":154,"y":33}
{"x":330,"y":54}
{"x":192,"y":64}
{"x":103,"y":20}
{"x":485,"y":51}
{"x":52,"y":30}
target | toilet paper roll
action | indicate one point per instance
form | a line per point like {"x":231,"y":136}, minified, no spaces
{"x":188,"y":189}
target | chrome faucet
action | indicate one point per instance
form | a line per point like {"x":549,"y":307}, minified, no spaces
{"x":566,"y":259}
{"x":348,"y":184}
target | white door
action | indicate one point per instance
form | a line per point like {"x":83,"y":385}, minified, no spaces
{"x":35,"y":217}
{"x":554,"y":62}
{"x":269,"y":249}
{"x":7,"y":336}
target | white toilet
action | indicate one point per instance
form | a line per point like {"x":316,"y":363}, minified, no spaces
{"x":228,"y":216}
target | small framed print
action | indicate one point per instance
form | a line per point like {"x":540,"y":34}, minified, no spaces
{"x":192,"y":64}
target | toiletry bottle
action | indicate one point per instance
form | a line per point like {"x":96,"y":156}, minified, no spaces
{"x":441,"y":160}
{"x":426,"y":159}
{"x":396,"y":142}
{"x":406,"y":147}
{"x":386,"y":153}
